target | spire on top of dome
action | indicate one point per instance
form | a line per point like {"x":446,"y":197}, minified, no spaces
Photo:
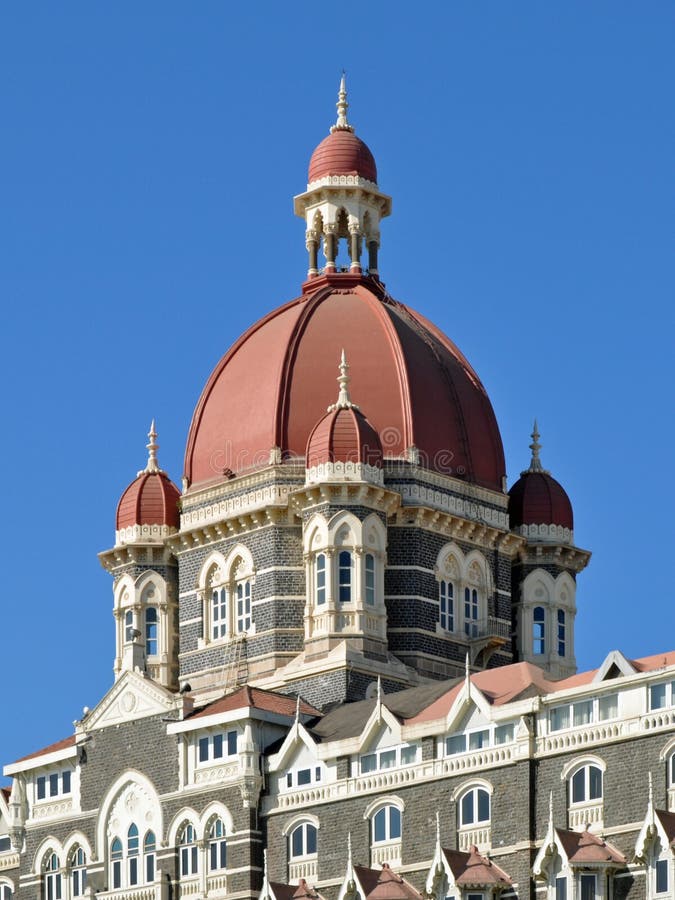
{"x":152,"y":446}
{"x":535,"y":447}
{"x":344,"y":401}
{"x":342,"y":106}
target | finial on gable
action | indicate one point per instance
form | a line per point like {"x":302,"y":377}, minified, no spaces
{"x":297,"y":710}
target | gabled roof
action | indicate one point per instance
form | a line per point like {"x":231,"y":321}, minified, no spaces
{"x":300,"y":891}
{"x":667,"y":820}
{"x":384,"y":884}
{"x":471,"y":869}
{"x":6,"y":793}
{"x":255,"y":698}
{"x":586,"y":847}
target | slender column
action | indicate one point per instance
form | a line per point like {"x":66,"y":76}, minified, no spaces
{"x":312,"y":244}
{"x":330,"y":246}
{"x":372,"y":257}
{"x":354,"y":248}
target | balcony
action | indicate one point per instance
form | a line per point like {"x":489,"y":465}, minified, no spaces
{"x":156,"y":891}
{"x":589,"y":814}
{"x":480,"y":836}
{"x":306,"y":868}
{"x":389,"y":852}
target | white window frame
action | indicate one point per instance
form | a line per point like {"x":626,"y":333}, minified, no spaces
{"x":669,"y":695}
{"x":493,"y":729}
{"x":399,"y":752}
{"x":218,"y":843}
{"x":302,"y":828}
{"x":595,"y":706}
{"x":188,"y":851}
{"x":214,"y":741}
{"x":53,"y":877}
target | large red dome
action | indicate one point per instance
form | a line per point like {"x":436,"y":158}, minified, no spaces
{"x":274,"y":384}
{"x":342,"y":153}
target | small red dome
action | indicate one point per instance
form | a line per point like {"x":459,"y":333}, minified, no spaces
{"x":538,"y":499}
{"x":344,"y":435}
{"x":342,"y":153}
{"x":151,"y":499}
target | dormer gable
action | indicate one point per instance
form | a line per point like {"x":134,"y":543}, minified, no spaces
{"x":615,"y":665}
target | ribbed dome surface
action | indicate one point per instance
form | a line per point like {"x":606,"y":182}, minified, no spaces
{"x":151,"y":499}
{"x":538,"y":499}
{"x":274,"y":384}
{"x":344,"y":435}
{"x":342,"y":153}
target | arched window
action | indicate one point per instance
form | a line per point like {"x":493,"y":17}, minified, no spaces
{"x":189,"y":855}
{"x":446,"y":609}
{"x":302,"y":841}
{"x":5,"y":892}
{"x":149,"y":848}
{"x":386,"y":825}
{"x":132,"y":855}
{"x":218,"y":613}
{"x":474,"y":807}
{"x":217,"y":846}
{"x":471,"y":612}
{"x":370,"y":579}
{"x":345,"y":576}
{"x":586,"y":784}
{"x":320,"y":579}
{"x":539,"y":630}
{"x":243,"y":606}
{"x":562,"y":637}
{"x":128,"y":626}
{"x":53,"y":887}
{"x":78,"y":872}
{"x":116,"y":856}
{"x":151,"y":620}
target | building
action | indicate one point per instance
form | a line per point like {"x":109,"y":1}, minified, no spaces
{"x":344,"y":651}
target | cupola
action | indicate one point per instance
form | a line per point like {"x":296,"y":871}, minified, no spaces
{"x":343,"y":444}
{"x":342,"y":200}
{"x":537,"y":502}
{"x":148,"y":508}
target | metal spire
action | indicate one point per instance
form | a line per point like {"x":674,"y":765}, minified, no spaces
{"x":297,"y":710}
{"x":342,"y":106}
{"x":535,"y":447}
{"x":152,"y":465}
{"x":344,"y":401}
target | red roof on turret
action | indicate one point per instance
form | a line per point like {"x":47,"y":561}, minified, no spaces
{"x":342,"y":153}
{"x":538,"y":499}
{"x":151,"y":499}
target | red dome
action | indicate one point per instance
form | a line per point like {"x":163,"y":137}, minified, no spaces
{"x":151,"y":499}
{"x":344,"y":435}
{"x":538,"y":499}
{"x":273,"y":385}
{"x":342,"y":153}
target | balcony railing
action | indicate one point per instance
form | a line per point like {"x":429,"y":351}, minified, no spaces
{"x":386,"y":853}
{"x":587,"y":814}
{"x":146,"y":892}
{"x":304,"y":868}
{"x":480,"y":836}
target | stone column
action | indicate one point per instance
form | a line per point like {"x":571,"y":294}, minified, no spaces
{"x":330,"y":246}
{"x":312,"y":244}
{"x":372,"y":257}
{"x":354,"y":248}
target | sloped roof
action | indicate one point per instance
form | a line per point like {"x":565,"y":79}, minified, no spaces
{"x":6,"y":793}
{"x":667,"y":820}
{"x":52,"y":748}
{"x":298,"y":891}
{"x":471,"y":869}
{"x":385,"y":884}
{"x":586,"y":847}
{"x":255,"y":698}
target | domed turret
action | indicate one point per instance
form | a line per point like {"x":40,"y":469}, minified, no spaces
{"x":344,"y":442}
{"x":149,"y":506}
{"x":537,"y":499}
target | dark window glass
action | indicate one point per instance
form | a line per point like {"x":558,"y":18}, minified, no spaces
{"x":483,"y":806}
{"x":579,"y":786}
{"x":561,"y":632}
{"x":467,"y":809}
{"x":394,"y":822}
{"x":379,"y":826}
{"x":53,"y":785}
{"x":345,"y":576}
{"x":304,"y":776}
{"x":594,"y":783}
{"x":217,"y":746}
{"x":370,"y":579}
{"x":561,"y":889}
{"x":587,"y":887}
{"x":66,"y":782}
{"x":297,"y":842}
{"x":231,"y":743}
{"x":41,"y":787}
{"x":311,"y":839}
{"x":203,"y":749}
{"x":538,"y":630}
{"x":661,"y":876}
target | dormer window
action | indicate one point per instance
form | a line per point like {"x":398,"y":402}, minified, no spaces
{"x":391,"y":758}
{"x":303,"y":777}
{"x":217,"y":746}
{"x":488,"y":736}
{"x":57,"y":784}
{"x":662,"y":695}
{"x":584,"y":712}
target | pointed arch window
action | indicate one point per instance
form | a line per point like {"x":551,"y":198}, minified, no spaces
{"x":370,"y":579}
{"x":320,"y":574}
{"x":217,"y":846}
{"x":149,"y":850}
{"x":78,"y":872}
{"x":471,"y":612}
{"x":539,"y":630}
{"x":128,"y":626}
{"x":151,"y":633}
{"x":243,"y":606}
{"x":52,"y":878}
{"x":446,"y":609}
{"x":5,"y":892}
{"x":345,"y":576}
{"x":189,"y":853}
{"x":132,"y":855}
{"x":116,"y":857}
{"x":562,"y":633}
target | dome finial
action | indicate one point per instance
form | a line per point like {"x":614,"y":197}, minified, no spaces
{"x":535,"y":447}
{"x":342,"y":106}
{"x":344,"y":400}
{"x":152,"y":446}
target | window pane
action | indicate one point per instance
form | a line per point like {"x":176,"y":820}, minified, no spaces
{"x":388,"y":759}
{"x":657,"y":696}
{"x":394,"y":822}
{"x":150,"y":868}
{"x":370,"y":579}
{"x":217,"y":746}
{"x":41,"y":787}
{"x":455,"y":744}
{"x":583,"y":712}
{"x":133,"y":870}
{"x":213,"y":857}
{"x":595,"y":783}
{"x":53,"y":785}
{"x":304,"y":776}
{"x":560,"y":717}
{"x":66,"y":781}
{"x":117,"y":874}
{"x":345,"y":576}
{"x":297,"y":842}
{"x":231,"y":743}
{"x":379,"y":827}
{"x":483,"y":806}
{"x":408,"y":755}
{"x":311,"y":839}
{"x":467,"y":809}
{"x":504,"y":734}
{"x":479,"y":739}
{"x":369,"y":763}
{"x":608,"y":707}
{"x":203,"y":749}
{"x":588,"y":887}
{"x":579,"y":786}
{"x":661,"y":876}
{"x":561,"y":889}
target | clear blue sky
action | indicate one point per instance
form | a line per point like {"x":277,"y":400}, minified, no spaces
{"x":148,"y":158}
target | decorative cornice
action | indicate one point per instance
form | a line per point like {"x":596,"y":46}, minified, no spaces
{"x":554,"y":554}
{"x":552,"y":533}
{"x":143,"y":534}
{"x":344,"y":471}
{"x":273,"y":474}
{"x":132,"y":554}
{"x":399,"y":468}
{"x":417,"y":494}
{"x":459,"y":528}
{"x":234,"y":524}
{"x":345,"y":493}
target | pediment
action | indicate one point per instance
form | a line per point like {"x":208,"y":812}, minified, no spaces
{"x":131,"y":697}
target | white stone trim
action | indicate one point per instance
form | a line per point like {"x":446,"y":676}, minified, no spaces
{"x":144,"y":534}
{"x":344,"y":471}
{"x":552,"y":533}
